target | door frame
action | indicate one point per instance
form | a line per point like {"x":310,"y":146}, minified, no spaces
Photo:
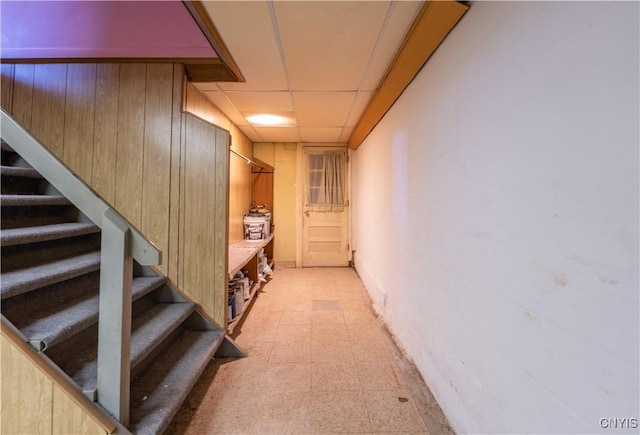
{"x":300,"y":192}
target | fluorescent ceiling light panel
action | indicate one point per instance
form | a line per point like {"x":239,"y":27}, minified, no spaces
{"x":270,"y":119}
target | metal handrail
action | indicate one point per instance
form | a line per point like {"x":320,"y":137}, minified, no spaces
{"x":69,"y":185}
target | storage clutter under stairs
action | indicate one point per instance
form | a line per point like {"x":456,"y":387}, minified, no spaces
{"x":49,"y":289}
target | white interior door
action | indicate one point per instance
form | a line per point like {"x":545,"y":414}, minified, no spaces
{"x":325,"y":220}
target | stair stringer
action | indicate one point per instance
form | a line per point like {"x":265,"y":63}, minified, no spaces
{"x":225,"y":346}
{"x":170,"y":293}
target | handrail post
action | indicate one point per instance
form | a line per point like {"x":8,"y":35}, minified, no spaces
{"x":114,"y":323}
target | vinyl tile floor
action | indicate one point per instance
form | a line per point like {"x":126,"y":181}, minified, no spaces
{"x":319,"y":362}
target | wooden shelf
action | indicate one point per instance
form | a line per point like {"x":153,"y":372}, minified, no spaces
{"x":241,"y":253}
{"x":254,"y":289}
{"x":244,"y":255}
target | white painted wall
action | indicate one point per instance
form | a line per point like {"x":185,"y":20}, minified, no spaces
{"x":495,"y":218}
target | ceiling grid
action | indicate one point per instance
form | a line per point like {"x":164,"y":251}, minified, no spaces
{"x":315,"y":61}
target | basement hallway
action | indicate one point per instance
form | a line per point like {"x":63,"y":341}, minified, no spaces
{"x":319,"y":362}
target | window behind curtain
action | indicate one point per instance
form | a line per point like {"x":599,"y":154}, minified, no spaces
{"x":325,"y":184}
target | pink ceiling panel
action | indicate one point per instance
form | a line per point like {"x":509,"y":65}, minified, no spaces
{"x":100,"y":29}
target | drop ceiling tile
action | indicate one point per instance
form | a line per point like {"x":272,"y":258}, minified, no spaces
{"x":345,"y":135}
{"x":323,"y":109}
{"x":361,"y":101}
{"x":333,"y":40}
{"x":222,"y":103}
{"x":402,"y":14}
{"x":251,"y":133}
{"x":265,"y":102}
{"x":278,"y":134}
{"x":247,"y":31}
{"x":327,"y":47}
{"x":320,"y":134}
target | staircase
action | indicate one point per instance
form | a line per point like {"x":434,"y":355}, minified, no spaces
{"x":50,"y":280}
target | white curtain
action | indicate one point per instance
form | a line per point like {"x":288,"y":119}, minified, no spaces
{"x":325,"y":182}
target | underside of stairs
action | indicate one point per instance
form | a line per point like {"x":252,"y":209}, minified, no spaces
{"x":50,"y":282}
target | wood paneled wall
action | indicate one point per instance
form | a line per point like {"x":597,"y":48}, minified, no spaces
{"x":111,"y":124}
{"x":121,"y":128}
{"x":204,"y":222}
{"x":240,"y":177}
{"x":41,"y":407}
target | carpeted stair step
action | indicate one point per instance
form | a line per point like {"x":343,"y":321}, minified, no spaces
{"x":18,"y":180}
{"x":158,"y":392}
{"x":16,"y":236}
{"x":26,"y":256}
{"x":49,"y":287}
{"x":78,"y":356}
{"x":17,"y":171}
{"x":154,"y":325}
{"x":32,"y":200}
{"x":22,"y":217}
{"x":59,"y":312}
{"x":23,"y":280}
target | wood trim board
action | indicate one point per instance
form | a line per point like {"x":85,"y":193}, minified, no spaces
{"x":199,"y":14}
{"x":430,"y":27}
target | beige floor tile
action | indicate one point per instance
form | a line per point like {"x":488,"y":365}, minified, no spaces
{"x":326,"y":305}
{"x":373,"y":350}
{"x":350,"y":283}
{"x":258,"y":316}
{"x":336,"y":351}
{"x":390,"y":413}
{"x":285,"y":413}
{"x":291,"y":352}
{"x":334,"y":376}
{"x":276,"y":304}
{"x":298,"y":294}
{"x":425,"y":432}
{"x":296,"y":318}
{"x":359,"y":316}
{"x":293,"y":305}
{"x":258,"y":352}
{"x":230,"y":370}
{"x":261,"y":309}
{"x":328,"y":317}
{"x":277,"y":378}
{"x":226,"y":411}
{"x":246,"y":334}
{"x":312,"y":367}
{"x":225,"y":421}
{"x":271,"y":303}
{"x":325,"y":292}
{"x":338,"y":412}
{"x":354,"y":304}
{"x":367,"y":331}
{"x":230,"y":367}
{"x":330,"y":332}
{"x":260,"y":323}
{"x":379,"y":376}
{"x":353,"y":295}
{"x":269,"y":294}
{"x":294,"y":333}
